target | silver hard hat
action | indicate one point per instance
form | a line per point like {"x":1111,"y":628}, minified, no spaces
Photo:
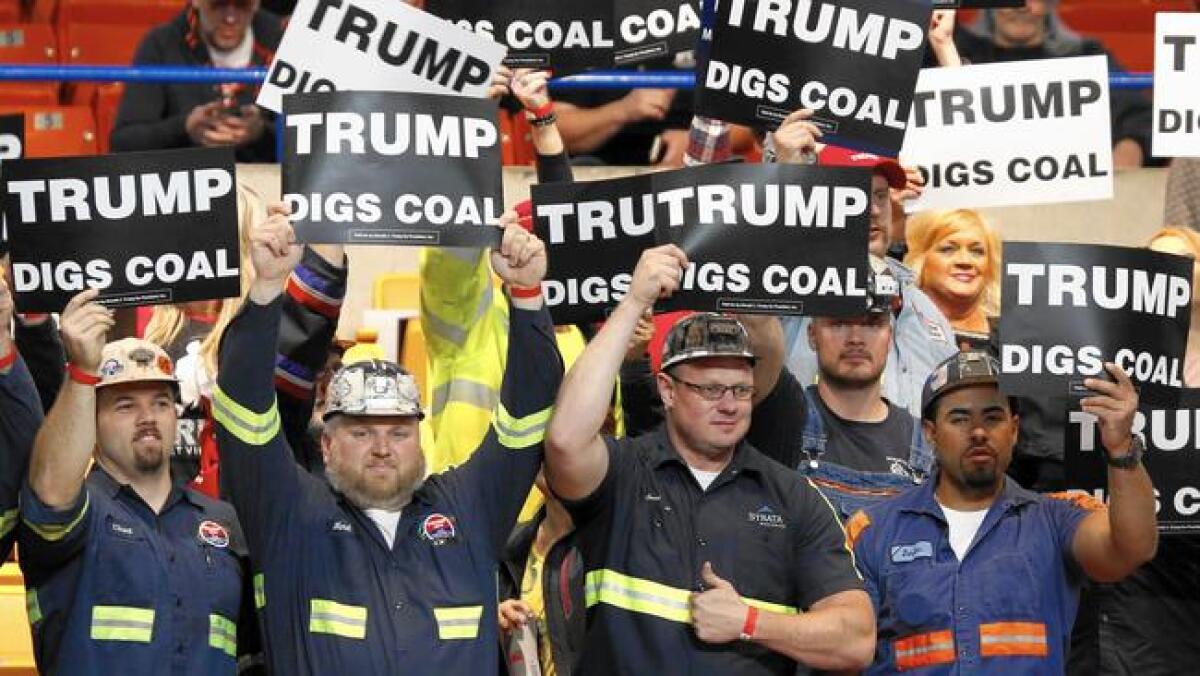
{"x":373,"y":388}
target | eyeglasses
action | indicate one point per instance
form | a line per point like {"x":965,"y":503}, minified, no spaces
{"x":715,"y":391}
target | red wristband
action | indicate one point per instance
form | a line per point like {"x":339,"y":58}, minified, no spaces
{"x":8,"y":359}
{"x":82,"y":377}
{"x":524,"y":292}
{"x":751,"y":623}
{"x":544,"y":110}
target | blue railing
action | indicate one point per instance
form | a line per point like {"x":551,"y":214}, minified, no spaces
{"x":601,"y":79}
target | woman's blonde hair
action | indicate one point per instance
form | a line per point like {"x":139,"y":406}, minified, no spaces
{"x":168,"y":321}
{"x":926,"y":229}
{"x":1189,"y":237}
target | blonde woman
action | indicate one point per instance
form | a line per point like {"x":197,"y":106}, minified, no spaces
{"x":1185,"y":242}
{"x":956,"y":257}
{"x":190,"y":334}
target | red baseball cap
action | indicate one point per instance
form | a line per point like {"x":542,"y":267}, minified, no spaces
{"x":837,"y":156}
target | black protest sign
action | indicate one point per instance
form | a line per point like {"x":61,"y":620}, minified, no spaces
{"x":779,"y":239}
{"x":1172,"y":437}
{"x":146,"y":228}
{"x":12,"y":147}
{"x":566,"y":36}
{"x":651,"y":29}
{"x":854,"y":62}
{"x":1069,"y":308}
{"x":976,"y":4}
{"x":594,"y":233}
{"x":393,"y":168}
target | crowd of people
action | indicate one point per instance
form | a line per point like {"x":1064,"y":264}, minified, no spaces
{"x":235,"y":491}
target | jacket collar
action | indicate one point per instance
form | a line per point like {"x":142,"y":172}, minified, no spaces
{"x":100,"y":479}
{"x":923,"y":500}
{"x":745,"y":457}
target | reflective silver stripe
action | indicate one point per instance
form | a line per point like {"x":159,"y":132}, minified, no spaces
{"x":464,"y":392}
{"x":465,"y":254}
{"x":228,"y":414}
{"x":921,"y":650}
{"x":454,"y":333}
{"x":1012,"y":638}
{"x":509,"y":432}
{"x":326,"y":616}
{"x":121,"y":624}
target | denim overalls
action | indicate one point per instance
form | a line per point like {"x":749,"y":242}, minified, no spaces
{"x":848,"y":489}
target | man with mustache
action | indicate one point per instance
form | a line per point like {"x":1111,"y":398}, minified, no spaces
{"x":702,"y":556}
{"x":970,"y":573}
{"x":125,"y":572}
{"x":378,"y":570}
{"x":842,"y":432}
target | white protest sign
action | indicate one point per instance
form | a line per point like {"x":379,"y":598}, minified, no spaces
{"x":1029,"y":132}
{"x":377,"y":45}
{"x":1176,"y":94}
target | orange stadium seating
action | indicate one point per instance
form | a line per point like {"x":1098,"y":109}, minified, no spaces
{"x":57,"y":131}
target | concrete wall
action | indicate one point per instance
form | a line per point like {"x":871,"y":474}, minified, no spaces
{"x":1129,"y":220}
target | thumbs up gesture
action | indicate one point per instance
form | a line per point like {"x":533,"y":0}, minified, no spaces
{"x":718,"y":613}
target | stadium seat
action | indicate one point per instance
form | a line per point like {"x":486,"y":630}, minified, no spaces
{"x":506,"y":138}
{"x":1134,"y":51}
{"x":96,"y":44}
{"x":10,"y":11}
{"x":105,"y":101}
{"x":16,"y":646}
{"x":57,"y":131}
{"x":29,"y":93}
{"x":524,"y":153}
{"x":136,"y":12}
{"x":28,"y":44}
{"x":397,"y":291}
{"x":1118,"y":16}
{"x":413,"y":356}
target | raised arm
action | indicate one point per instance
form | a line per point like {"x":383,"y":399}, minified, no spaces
{"x":63,"y":447}
{"x":576,"y":456}
{"x":258,"y":469}
{"x":20,"y":417}
{"x":766,"y":339}
{"x":1110,"y":544}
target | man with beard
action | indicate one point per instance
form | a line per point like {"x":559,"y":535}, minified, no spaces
{"x":842,"y":432}
{"x":376,"y":570}
{"x":126,"y":573}
{"x":970,"y":573}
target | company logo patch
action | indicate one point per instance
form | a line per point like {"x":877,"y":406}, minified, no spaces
{"x":111,"y":368}
{"x":340,"y":526}
{"x":907,"y":553}
{"x":214,"y":534}
{"x":766,"y":517}
{"x":121,"y":529}
{"x":438,"y":529}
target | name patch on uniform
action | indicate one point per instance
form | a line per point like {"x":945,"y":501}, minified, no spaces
{"x":121,"y":529}
{"x":907,"y":553}
{"x":213,"y":534}
{"x":340,"y":526}
{"x":765,"y":516}
{"x":438,"y":529}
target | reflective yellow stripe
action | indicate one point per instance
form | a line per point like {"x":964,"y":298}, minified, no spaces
{"x":222,"y":634}
{"x":32,"y":608}
{"x":521,"y":432}
{"x":331,"y":617}
{"x":637,"y":595}
{"x":122,"y":623}
{"x":8,"y":521}
{"x":457,"y":623}
{"x":253,"y":428}
{"x":260,"y":592}
{"x":771,"y":607}
{"x":53,"y":532}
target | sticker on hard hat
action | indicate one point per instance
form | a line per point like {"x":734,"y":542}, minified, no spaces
{"x":438,"y":529}
{"x":214,"y":534}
